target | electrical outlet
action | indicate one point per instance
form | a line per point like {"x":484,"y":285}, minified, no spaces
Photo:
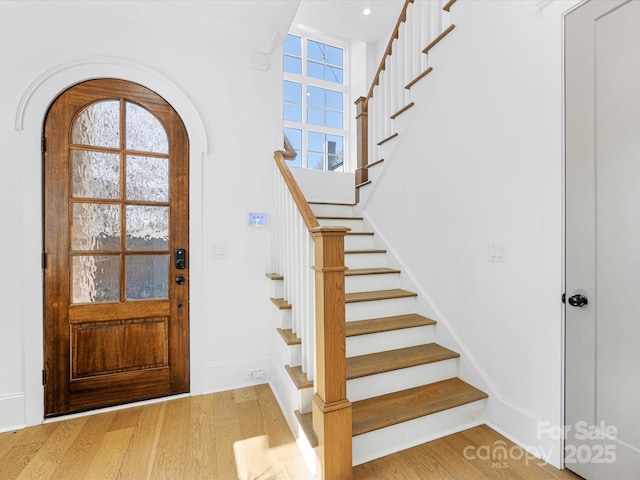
{"x":220,"y":251}
{"x":497,"y":252}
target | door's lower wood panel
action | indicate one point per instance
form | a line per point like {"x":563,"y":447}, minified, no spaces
{"x":104,"y":348}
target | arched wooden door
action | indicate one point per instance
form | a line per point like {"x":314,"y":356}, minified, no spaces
{"x":116,"y":276}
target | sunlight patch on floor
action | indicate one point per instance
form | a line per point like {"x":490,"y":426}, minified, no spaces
{"x":256,"y":460}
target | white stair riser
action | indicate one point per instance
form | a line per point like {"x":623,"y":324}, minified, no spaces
{"x":358,"y":242}
{"x":295,"y":355}
{"x":284,"y":318}
{"x":380,"y":308}
{"x":354,"y":225}
{"x":379,"y":443}
{"x":396,"y":380}
{"x":331,"y":210}
{"x":364,"y":283}
{"x":365,"y":260}
{"x":380,"y":342}
{"x":276,"y":287}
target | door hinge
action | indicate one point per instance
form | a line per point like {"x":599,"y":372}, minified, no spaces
{"x":44,"y":376}
{"x":43,"y":260}
{"x":43,"y":144}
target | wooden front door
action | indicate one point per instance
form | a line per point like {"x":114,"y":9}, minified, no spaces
{"x":116,"y":276}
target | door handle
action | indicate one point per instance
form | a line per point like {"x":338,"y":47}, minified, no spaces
{"x":180,"y":280}
{"x":578,"y":300}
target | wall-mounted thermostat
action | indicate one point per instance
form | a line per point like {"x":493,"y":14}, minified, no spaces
{"x":257,"y":219}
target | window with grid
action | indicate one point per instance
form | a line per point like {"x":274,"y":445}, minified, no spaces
{"x":314,"y":102}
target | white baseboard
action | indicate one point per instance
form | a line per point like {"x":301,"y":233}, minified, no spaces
{"x":228,"y":376}
{"x":12,"y":412}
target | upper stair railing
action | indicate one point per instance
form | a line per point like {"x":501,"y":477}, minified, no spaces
{"x":421,"y":25}
{"x":311,"y":259}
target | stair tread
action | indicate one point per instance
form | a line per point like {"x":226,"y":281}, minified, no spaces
{"x":397,"y":407}
{"x":299,"y":378}
{"x":386,"y":324}
{"x":333,"y":203}
{"x":370,"y":271}
{"x":337,"y":217}
{"x":378,"y":295}
{"x":274,"y":276}
{"x":281,"y":303}
{"x":289,"y":337}
{"x":377,"y":162}
{"x":360,"y":233}
{"x":380,"y":362}
{"x":393,"y":408}
{"x":371,"y":250}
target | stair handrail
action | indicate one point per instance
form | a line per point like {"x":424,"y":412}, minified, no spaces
{"x":429,"y":23}
{"x":331,"y":410}
{"x":301,"y":202}
{"x":388,"y":51}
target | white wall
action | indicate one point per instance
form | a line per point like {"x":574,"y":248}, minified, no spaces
{"x":479,"y":161}
{"x":233,"y":120}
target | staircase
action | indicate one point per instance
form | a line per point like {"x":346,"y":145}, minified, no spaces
{"x":403,"y":385}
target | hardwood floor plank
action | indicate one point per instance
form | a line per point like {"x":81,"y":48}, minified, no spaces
{"x":172,"y":447}
{"x":251,"y":421}
{"x":490,"y":467}
{"x":126,"y":418}
{"x":75,"y":463}
{"x":440,"y":458}
{"x":201,"y":453}
{"x":225,"y":437}
{"x":17,"y":459}
{"x":138,"y":461}
{"x":53,"y":450}
{"x":392,"y":467}
{"x":244,"y":394}
{"x":226,"y":408}
{"x":281,"y":440}
{"x":108,"y":459}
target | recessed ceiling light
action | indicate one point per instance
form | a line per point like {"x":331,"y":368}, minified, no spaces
{"x":366,"y":11}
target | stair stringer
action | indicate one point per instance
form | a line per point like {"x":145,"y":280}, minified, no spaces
{"x":469,"y":368}
{"x":289,"y":397}
{"x":437,"y":58}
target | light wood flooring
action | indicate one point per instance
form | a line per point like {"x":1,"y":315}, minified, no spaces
{"x":239,"y":434}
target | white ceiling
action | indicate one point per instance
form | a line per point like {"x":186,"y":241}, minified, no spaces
{"x":345,"y":17}
{"x":259,"y":25}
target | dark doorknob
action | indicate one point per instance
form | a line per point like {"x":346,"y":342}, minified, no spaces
{"x":180,"y":280}
{"x":578,"y":300}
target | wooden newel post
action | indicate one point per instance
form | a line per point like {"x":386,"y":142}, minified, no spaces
{"x":331,"y":409}
{"x":362,"y":122}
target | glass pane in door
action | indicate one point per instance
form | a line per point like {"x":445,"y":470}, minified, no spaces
{"x":147,"y":277}
{"x":95,"y":278}
{"x":144,"y":132}
{"x":95,"y":174}
{"x":147,"y":178}
{"x":147,"y":227}
{"x":95,"y":226}
{"x":98,"y":125}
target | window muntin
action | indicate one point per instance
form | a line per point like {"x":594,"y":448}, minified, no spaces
{"x":314,"y":106}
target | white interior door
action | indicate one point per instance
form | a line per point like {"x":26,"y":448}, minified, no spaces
{"x":603,"y":240}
